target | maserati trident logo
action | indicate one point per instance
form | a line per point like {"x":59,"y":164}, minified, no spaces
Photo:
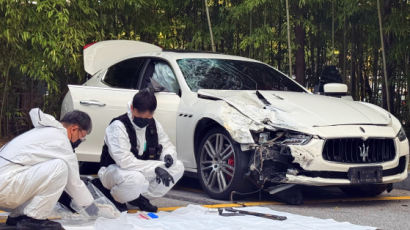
{"x":364,"y":152}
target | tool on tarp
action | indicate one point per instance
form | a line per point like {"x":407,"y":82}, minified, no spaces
{"x":238,"y":212}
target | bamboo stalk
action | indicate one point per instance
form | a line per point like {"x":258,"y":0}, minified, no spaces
{"x":210,"y":27}
{"x":4,"y":99}
{"x":289,"y":48}
{"x":384,"y":58}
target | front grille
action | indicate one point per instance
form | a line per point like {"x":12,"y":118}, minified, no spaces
{"x":355,"y":150}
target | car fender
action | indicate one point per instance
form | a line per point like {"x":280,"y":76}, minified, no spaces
{"x":234,"y":122}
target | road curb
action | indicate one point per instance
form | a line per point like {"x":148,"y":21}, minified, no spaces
{"x":404,"y":184}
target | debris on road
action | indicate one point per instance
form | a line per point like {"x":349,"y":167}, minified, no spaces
{"x":242,"y":212}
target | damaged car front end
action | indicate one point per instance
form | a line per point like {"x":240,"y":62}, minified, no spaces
{"x":344,"y":161}
{"x":272,"y":157}
{"x":285,"y":151}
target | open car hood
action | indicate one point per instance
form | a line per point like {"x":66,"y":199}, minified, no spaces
{"x":296,"y":110}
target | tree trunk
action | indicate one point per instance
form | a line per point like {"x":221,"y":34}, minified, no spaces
{"x":312,"y":60}
{"x":210,"y":27}
{"x":3,"y":99}
{"x":237,"y":41}
{"x":300,"y":54}
{"x":289,"y":46}
{"x":353,"y":65}
{"x":385,"y":40}
{"x":360,"y":71}
{"x":279,"y":54}
{"x":375,"y":68}
{"x":319,"y":46}
{"x":406,"y":75}
{"x":344,"y":51}
{"x":250,"y":34}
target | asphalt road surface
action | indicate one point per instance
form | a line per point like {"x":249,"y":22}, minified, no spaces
{"x":390,"y":211}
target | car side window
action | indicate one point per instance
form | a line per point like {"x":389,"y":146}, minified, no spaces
{"x":125,"y":74}
{"x":159,"y":75}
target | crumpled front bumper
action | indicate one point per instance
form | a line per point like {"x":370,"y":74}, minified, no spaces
{"x":304,"y":164}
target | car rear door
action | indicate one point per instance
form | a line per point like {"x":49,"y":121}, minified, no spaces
{"x":104,"y":103}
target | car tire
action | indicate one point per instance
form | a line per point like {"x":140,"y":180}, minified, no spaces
{"x":222,"y":174}
{"x":369,"y":190}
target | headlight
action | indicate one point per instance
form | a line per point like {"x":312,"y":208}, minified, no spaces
{"x":296,"y":139}
{"x":401,"y":135}
{"x":282,"y":137}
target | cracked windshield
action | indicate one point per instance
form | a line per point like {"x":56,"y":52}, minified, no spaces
{"x":233,"y":75}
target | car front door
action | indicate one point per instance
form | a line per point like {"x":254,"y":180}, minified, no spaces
{"x":159,"y":74}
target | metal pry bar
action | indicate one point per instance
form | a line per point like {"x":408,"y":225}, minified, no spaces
{"x":221,"y":213}
{"x":263,"y":215}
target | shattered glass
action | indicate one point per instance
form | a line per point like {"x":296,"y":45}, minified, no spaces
{"x":233,"y":75}
{"x":164,"y":76}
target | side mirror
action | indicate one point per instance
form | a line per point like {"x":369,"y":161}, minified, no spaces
{"x":335,"y":89}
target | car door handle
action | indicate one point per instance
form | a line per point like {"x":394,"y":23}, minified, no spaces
{"x":92,"y":102}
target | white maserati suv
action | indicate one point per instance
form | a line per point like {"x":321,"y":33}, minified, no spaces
{"x":238,"y":123}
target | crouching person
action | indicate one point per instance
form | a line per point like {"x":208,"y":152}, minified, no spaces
{"x":138,"y":160}
{"x":37,"y":166}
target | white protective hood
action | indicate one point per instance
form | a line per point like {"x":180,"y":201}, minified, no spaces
{"x":38,"y":118}
{"x":300,"y":111}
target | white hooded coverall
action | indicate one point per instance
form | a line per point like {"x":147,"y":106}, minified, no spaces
{"x":36,"y":167}
{"x":130,"y":177}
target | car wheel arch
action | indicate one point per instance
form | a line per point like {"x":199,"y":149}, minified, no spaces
{"x":201,"y":129}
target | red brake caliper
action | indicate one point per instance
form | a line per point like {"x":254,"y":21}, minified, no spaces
{"x":231,"y":162}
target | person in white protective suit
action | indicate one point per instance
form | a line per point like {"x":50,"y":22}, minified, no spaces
{"x":37,"y":166}
{"x":138,"y":159}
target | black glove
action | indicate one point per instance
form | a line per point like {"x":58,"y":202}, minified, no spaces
{"x":92,"y":210}
{"x":163,"y":176}
{"x":168,"y":161}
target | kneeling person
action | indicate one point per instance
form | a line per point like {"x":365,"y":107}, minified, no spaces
{"x":138,"y":159}
{"x":37,"y":166}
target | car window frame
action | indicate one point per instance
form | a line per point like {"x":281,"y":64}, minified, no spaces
{"x":152,"y":58}
{"x":139,"y":76}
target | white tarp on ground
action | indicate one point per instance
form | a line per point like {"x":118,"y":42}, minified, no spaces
{"x":200,"y":218}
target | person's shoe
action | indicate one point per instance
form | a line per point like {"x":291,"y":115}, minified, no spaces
{"x":31,"y":223}
{"x":12,"y":221}
{"x":97,"y":183}
{"x":143,"y":204}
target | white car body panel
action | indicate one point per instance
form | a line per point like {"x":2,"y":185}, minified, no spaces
{"x":101,"y":115}
{"x":239,"y":112}
{"x":102,"y":54}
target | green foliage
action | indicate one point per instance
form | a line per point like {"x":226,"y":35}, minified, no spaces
{"x":41,"y":42}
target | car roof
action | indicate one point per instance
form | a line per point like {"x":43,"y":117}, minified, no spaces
{"x":176,"y":54}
